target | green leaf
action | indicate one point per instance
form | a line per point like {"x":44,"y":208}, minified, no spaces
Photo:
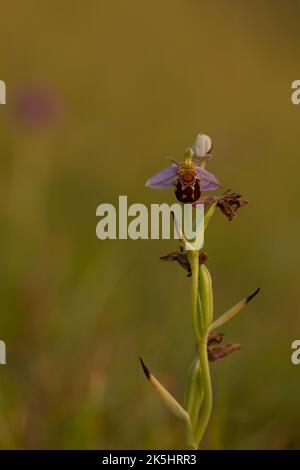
{"x":171,"y":403}
{"x":232,"y":312}
{"x":206,"y":296}
{"x":194,"y":391}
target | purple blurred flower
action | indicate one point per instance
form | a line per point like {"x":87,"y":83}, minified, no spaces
{"x":189,"y":178}
{"x":36,"y":105}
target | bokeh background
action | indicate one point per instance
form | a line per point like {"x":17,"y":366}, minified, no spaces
{"x":98,"y":93}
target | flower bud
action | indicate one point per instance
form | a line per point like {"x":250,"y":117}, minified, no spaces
{"x":202,"y":145}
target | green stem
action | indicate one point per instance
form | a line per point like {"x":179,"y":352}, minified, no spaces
{"x":202,"y":312}
{"x":202,"y":337}
{"x":207,"y":389}
{"x":190,"y":437}
{"x":196,"y":409}
{"x":194,"y":262}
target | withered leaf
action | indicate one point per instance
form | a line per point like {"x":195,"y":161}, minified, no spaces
{"x":182,"y":259}
{"x":216,"y":350}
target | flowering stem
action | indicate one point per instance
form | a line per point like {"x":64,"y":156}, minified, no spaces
{"x":194,"y":262}
{"x":194,"y":390}
{"x":190,"y":179}
{"x":207,"y":401}
{"x":201,"y":329}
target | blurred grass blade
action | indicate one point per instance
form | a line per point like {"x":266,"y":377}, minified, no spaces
{"x":171,"y":403}
{"x":232,"y":312}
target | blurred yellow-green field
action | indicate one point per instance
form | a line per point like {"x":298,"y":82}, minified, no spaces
{"x":131,"y":82}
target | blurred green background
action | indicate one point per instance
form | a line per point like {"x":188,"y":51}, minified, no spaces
{"x":135,"y":81}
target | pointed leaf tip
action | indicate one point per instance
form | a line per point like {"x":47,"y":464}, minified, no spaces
{"x":232,"y":312}
{"x":250,"y":297}
{"x":145,"y":368}
{"x":171,"y":403}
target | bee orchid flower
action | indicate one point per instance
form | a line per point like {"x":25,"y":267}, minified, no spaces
{"x":189,"y":177}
